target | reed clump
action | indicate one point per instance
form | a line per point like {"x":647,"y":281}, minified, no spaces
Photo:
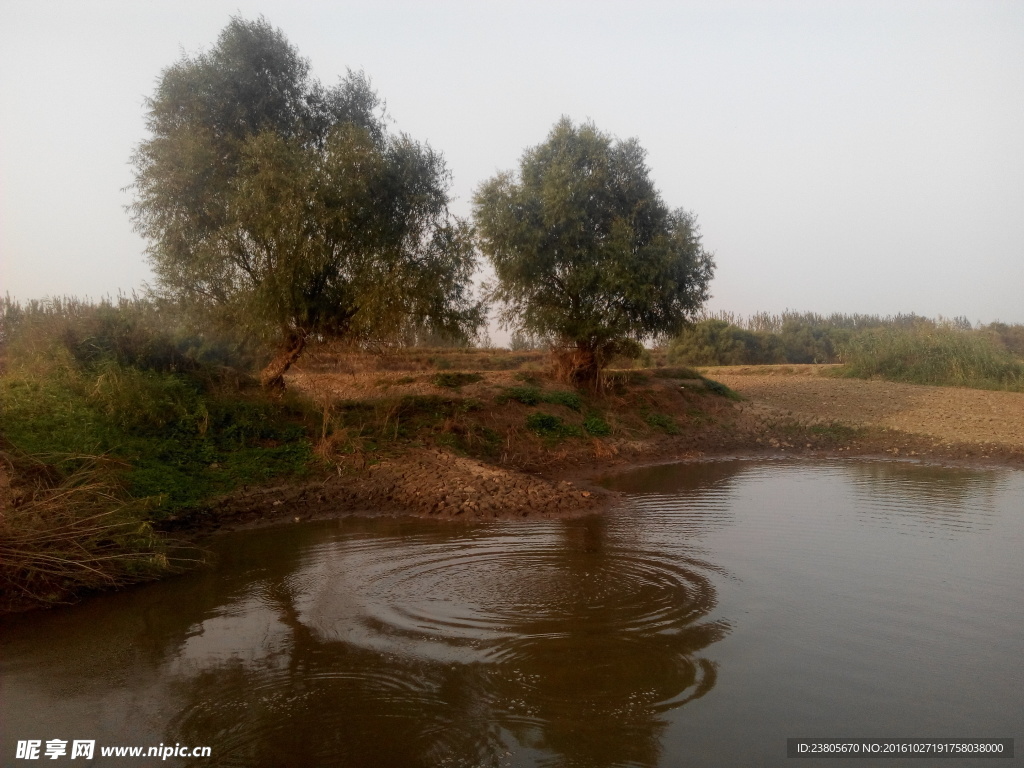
{"x":61,"y":535}
{"x":941,"y":355}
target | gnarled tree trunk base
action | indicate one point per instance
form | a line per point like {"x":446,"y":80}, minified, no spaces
{"x":576,"y":366}
{"x":272,"y":377}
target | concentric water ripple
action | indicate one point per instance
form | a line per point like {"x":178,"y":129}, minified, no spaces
{"x":491,"y":596}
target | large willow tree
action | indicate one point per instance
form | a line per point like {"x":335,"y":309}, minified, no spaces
{"x":288,"y":209}
{"x":586,"y":252}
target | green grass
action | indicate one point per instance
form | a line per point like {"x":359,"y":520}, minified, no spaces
{"x":675,"y":372}
{"x":173,"y":442}
{"x":664,"y":422}
{"x":177,"y":422}
{"x":718,"y":388}
{"x":525,"y":395}
{"x":535,"y":395}
{"x":570,"y":400}
{"x":596,"y":426}
{"x":455,"y":380}
{"x":546,"y":425}
{"x":690,"y":374}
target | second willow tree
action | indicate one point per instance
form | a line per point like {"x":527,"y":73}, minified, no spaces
{"x":586,"y":252}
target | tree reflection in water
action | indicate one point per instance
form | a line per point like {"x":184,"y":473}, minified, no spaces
{"x":579,"y":675}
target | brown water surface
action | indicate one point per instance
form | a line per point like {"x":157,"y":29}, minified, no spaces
{"x":729,"y":606}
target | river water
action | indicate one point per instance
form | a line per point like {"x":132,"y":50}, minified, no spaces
{"x":727,"y":606}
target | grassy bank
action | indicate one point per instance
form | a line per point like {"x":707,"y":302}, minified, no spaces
{"x":115,"y":420}
{"x":119,"y":420}
{"x":497,"y":414}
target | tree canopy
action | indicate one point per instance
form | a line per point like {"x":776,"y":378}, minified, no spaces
{"x":585,"y":251}
{"x":288,"y":208}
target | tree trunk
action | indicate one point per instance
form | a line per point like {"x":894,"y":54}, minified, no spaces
{"x":577,"y":365}
{"x":272,"y":377}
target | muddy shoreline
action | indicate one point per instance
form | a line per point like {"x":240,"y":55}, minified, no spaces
{"x":441,"y":485}
{"x":784,"y":412}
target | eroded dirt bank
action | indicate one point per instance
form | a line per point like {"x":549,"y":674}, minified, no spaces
{"x":428,"y":483}
{"x":786,"y":411}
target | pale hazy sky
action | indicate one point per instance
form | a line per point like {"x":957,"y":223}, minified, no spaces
{"x":840,"y":156}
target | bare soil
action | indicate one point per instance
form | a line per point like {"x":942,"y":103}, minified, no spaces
{"x":952,"y":415}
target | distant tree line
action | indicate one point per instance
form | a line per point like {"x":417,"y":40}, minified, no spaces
{"x":790,"y":337}
{"x":900,"y":347}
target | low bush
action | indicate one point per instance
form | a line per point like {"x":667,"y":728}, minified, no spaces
{"x":901,"y":347}
{"x":570,"y":400}
{"x":716,"y":342}
{"x":596,"y":426}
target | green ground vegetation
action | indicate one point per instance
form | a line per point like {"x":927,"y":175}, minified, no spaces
{"x":113,"y":380}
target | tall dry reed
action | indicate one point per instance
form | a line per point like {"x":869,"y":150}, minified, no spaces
{"x":60,"y":536}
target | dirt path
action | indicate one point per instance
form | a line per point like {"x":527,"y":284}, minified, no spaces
{"x":949,"y":414}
